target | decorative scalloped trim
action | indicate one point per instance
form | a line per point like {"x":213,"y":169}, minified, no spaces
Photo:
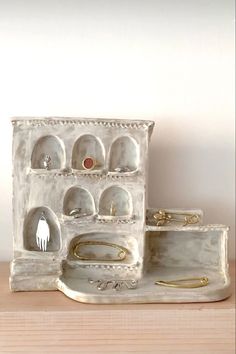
{"x":194,"y":228}
{"x":111,"y":174}
{"x":41,"y":174}
{"x":60,"y":173}
{"x":88,"y":219}
{"x":108,"y":123}
{"x":116,"y":221}
{"x":110,"y":267}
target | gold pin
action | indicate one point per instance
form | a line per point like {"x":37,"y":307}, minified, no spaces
{"x":164,"y":218}
{"x":112,"y":209}
{"x":187,"y":283}
{"x":120,"y":256}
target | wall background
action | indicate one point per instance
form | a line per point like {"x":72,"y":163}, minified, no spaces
{"x":170,"y":61}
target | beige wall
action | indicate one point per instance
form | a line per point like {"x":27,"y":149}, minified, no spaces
{"x":170,"y":61}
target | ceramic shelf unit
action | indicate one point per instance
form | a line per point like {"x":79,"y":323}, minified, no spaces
{"x":87,"y":232}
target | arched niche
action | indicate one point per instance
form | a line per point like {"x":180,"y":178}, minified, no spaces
{"x":87,"y":146}
{"x":31,"y":226}
{"x":115,"y":201}
{"x":78,"y":198}
{"x":50,"y":146}
{"x":124,"y":155}
{"x":99,"y":245}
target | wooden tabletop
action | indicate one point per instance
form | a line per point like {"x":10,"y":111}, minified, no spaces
{"x":49,"y":322}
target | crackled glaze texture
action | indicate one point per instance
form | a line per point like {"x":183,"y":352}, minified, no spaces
{"x":104,"y":204}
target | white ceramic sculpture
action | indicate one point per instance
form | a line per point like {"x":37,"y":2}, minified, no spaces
{"x":81,"y":224}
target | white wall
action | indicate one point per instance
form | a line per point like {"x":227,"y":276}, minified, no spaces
{"x":167,"y":60}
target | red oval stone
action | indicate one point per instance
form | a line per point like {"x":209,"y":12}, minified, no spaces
{"x":88,"y":163}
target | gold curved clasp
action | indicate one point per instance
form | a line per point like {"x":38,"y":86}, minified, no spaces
{"x":120,"y":256}
{"x":188,"y":283}
{"x":163,"y":217}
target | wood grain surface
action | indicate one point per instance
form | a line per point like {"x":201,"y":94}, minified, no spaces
{"x":48,"y":322}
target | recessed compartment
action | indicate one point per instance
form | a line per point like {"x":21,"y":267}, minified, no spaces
{"x":78,"y":202}
{"x":115,"y":202}
{"x":124,"y":155}
{"x":185,"y":248}
{"x":48,"y":153}
{"x":88,"y":154}
{"x":42,"y":230}
{"x":97,"y":247}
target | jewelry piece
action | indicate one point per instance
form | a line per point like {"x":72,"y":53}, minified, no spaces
{"x":122,"y":169}
{"x":47,"y":161}
{"x":77,"y":213}
{"x":120,"y":256}
{"x":112,"y":209}
{"x":163,"y":218}
{"x":187,"y":283}
{"x":114,"y":284}
{"x":89,"y":163}
{"x":42,"y":233}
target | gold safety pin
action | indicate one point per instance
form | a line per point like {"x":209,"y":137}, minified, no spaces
{"x":188,"y":283}
{"x":164,"y":217}
{"x":120,"y":256}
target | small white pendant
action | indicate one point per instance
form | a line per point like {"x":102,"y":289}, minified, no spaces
{"x":42,"y":233}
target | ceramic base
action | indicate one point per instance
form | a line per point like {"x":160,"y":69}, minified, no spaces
{"x":80,"y":289}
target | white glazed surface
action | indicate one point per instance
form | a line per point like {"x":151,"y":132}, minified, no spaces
{"x":169,"y":252}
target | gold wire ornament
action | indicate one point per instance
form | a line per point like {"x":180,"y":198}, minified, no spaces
{"x":112,"y":209}
{"x":163,"y":217}
{"x":120,"y":256}
{"x":187,"y":283}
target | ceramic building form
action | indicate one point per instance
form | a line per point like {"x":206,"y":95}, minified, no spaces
{"x":81,"y":224}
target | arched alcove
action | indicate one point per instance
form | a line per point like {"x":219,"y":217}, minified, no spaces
{"x":97,"y":246}
{"x":88,"y":146}
{"x":31,"y":226}
{"x":124,"y":155}
{"x":80,"y":199}
{"x":115,"y":201}
{"x":48,"y":153}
